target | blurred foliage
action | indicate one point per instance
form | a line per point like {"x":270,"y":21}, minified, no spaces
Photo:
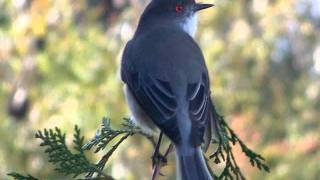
{"x":263,"y":57}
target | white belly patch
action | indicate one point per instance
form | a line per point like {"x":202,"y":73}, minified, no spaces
{"x":139,"y":116}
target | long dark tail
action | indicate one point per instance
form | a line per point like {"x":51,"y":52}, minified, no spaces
{"x":191,"y":165}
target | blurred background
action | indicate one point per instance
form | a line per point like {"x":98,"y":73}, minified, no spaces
{"x":59,"y":63}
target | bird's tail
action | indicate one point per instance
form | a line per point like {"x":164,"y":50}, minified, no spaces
{"x":191,"y":165}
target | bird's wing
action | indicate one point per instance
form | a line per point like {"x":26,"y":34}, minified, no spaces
{"x":157,"y":100}
{"x":198,"y":95}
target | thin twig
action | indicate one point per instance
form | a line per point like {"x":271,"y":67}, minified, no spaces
{"x":100,"y":173}
{"x":157,"y":167}
{"x":106,"y":157}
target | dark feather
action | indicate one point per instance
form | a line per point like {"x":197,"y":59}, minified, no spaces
{"x":198,"y":96}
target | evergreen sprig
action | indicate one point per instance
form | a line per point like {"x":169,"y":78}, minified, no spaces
{"x":21,"y":177}
{"x":227,"y":139}
{"x":59,"y":154}
{"x":75,"y":164}
{"x":105,"y":136}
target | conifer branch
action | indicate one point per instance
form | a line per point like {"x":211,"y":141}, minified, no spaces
{"x":77,"y":164}
{"x":227,"y":139}
{"x":21,"y":177}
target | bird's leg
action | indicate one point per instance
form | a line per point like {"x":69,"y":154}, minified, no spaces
{"x":157,"y":157}
{"x":157,"y":168}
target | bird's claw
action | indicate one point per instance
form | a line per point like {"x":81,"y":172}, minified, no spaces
{"x":158,"y":159}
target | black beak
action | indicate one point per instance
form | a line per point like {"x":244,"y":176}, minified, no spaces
{"x":200,"y":6}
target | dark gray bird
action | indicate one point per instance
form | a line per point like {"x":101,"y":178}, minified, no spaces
{"x":167,"y":83}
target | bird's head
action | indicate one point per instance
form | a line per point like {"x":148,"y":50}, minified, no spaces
{"x":178,"y":8}
{"x":180,"y":12}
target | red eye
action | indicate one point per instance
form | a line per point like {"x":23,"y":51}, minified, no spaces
{"x":179,"y":8}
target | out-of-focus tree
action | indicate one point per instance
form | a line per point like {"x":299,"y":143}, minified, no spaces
{"x":263,"y":57}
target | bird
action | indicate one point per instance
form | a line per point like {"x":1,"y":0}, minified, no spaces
{"x":166,"y":82}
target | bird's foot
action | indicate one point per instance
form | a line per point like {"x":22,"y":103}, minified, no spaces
{"x":158,"y":159}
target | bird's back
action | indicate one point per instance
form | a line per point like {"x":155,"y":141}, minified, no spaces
{"x":165,"y":48}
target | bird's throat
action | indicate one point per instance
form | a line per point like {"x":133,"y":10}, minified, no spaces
{"x":190,"y":24}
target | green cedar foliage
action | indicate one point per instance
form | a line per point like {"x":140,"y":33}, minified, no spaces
{"x":227,"y":139}
{"x":76,"y":164}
